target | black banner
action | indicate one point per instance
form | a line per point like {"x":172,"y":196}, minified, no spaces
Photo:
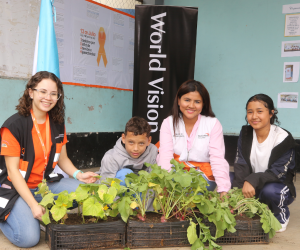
{"x":164,"y":58}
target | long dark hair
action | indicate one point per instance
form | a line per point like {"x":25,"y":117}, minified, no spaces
{"x":57,"y":113}
{"x":187,"y":87}
{"x":268,"y":103}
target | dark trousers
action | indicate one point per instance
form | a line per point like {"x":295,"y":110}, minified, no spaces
{"x":277,"y":196}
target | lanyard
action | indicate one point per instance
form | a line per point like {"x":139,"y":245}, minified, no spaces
{"x":46,"y":149}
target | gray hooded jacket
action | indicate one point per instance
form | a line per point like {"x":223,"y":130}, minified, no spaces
{"x":117,"y":158}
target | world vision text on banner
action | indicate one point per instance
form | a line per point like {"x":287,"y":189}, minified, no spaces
{"x":95,"y":45}
{"x":164,"y":58}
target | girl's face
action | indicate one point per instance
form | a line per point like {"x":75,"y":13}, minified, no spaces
{"x":44,"y":96}
{"x":258,"y":115}
{"x":191,"y":105}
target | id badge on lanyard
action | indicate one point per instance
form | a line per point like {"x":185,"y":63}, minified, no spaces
{"x":46,"y":145}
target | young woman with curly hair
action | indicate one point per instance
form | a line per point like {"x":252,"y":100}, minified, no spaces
{"x":33,"y":141}
{"x":265,"y":162}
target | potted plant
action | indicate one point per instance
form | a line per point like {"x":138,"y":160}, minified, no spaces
{"x":231,"y":220}
{"x":172,"y":194}
{"x":182,"y":195}
{"x":95,"y":206}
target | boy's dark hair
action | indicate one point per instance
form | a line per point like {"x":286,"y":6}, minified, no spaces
{"x":138,"y":126}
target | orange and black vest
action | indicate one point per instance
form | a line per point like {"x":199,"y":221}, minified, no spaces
{"x":21,"y":128}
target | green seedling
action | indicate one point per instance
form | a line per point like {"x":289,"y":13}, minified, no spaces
{"x":93,"y":200}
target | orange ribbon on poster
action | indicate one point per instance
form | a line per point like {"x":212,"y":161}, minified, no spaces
{"x":204,"y":167}
{"x":101,"y":52}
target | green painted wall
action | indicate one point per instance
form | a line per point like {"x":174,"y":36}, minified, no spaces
{"x":239,"y":55}
{"x":87,"y":109}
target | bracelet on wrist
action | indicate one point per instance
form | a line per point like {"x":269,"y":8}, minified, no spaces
{"x":75,"y":174}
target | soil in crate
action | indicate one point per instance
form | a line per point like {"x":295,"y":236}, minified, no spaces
{"x":248,"y":231}
{"x":74,"y":219}
{"x":154,"y":233}
{"x":104,"y":234}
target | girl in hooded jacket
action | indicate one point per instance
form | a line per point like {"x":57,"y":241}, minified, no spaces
{"x":265,"y":162}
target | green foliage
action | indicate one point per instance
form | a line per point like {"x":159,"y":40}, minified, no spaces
{"x":93,"y":199}
{"x":179,"y":193}
{"x":43,"y":188}
{"x":250,"y":207}
{"x":136,"y":196}
{"x":175,"y":190}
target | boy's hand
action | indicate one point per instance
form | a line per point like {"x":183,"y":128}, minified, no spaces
{"x":87,"y":177}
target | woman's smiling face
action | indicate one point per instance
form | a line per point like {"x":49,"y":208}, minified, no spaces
{"x":258,"y":115}
{"x":45,"y":104}
{"x":191,"y":105}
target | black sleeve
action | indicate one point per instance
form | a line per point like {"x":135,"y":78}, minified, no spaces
{"x":276,"y":173}
{"x":241,"y":168}
{"x":258,"y":180}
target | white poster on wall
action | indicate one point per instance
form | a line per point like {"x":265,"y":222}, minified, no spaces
{"x":290,"y":48}
{"x":291,"y":71}
{"x":287,"y":100}
{"x":291,"y":8}
{"x":292,"y":25}
{"x":95,"y":45}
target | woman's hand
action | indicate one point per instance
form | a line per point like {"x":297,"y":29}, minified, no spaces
{"x":87,"y":177}
{"x":248,"y":190}
{"x":37,"y":211}
{"x":222,"y":194}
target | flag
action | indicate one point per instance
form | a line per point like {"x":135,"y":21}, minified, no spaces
{"x":46,"y":53}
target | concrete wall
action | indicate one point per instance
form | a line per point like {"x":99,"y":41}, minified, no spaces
{"x":87,"y":109}
{"x":239,"y":55}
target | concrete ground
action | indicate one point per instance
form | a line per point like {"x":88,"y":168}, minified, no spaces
{"x":288,"y":240}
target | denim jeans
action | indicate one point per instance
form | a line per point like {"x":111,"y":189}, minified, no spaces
{"x":121,"y":175}
{"x":211,"y":184}
{"x":21,"y":228}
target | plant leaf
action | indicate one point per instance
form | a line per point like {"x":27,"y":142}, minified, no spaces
{"x":133,"y":205}
{"x":58,"y":212}
{"x":62,"y":200}
{"x":226,"y":218}
{"x":48,"y":199}
{"x":192,"y":233}
{"x":102,"y":190}
{"x":272,"y":233}
{"x":108,"y":198}
{"x":72,"y":196}
{"x":113,"y":192}
{"x":46,"y":218}
{"x":116,"y":186}
{"x":124,"y":208}
{"x":198,"y":245}
{"x":143,"y":187}
{"x":113,"y":212}
{"x":92,"y":207}
{"x":81,"y":193}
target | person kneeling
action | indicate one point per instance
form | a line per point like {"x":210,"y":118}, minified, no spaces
{"x":265,"y":162}
{"x":130,"y":153}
